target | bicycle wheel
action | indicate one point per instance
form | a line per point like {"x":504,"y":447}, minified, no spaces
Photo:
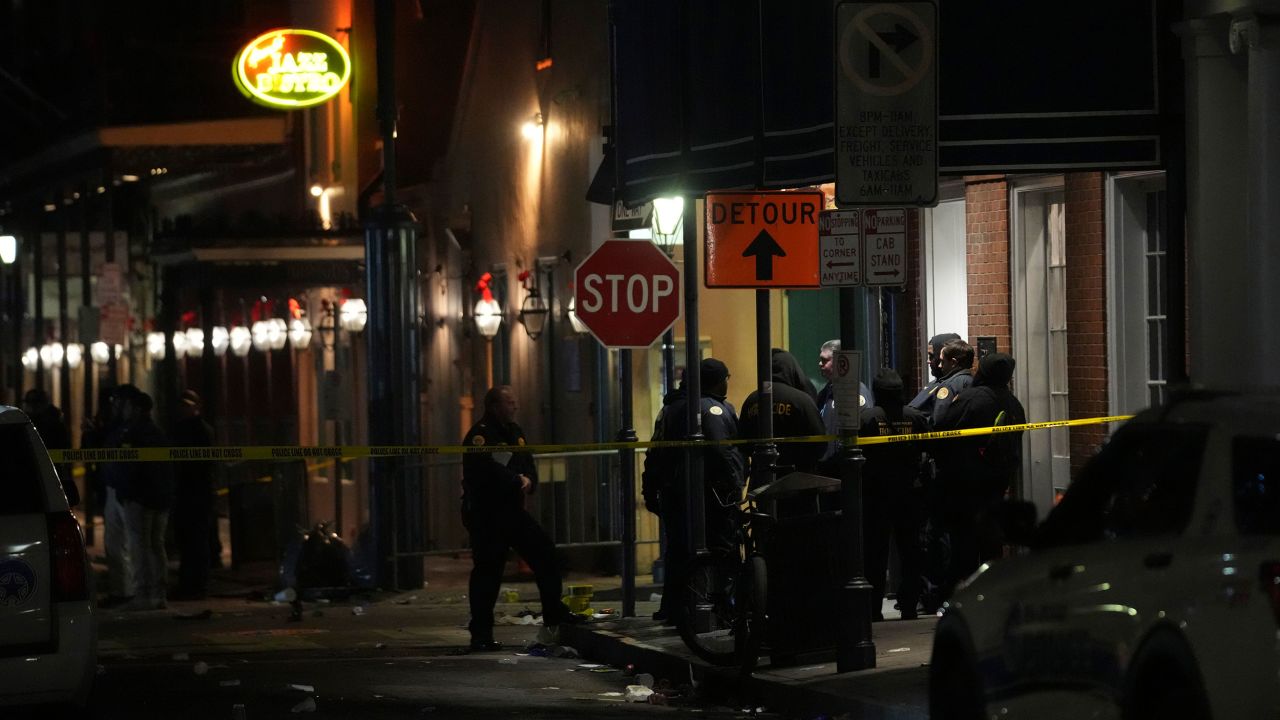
{"x":710,"y":618}
{"x":752,"y":612}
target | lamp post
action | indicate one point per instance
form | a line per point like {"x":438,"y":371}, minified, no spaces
{"x":488,"y":317}
{"x":10,"y":311}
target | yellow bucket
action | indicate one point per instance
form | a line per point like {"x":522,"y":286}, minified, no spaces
{"x":579,"y":599}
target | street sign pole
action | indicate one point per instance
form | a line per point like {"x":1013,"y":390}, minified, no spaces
{"x":694,"y":512}
{"x":766,"y":454}
{"x":854,"y":648}
{"x":627,"y":456}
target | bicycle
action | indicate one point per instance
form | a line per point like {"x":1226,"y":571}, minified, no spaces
{"x":725,"y":611}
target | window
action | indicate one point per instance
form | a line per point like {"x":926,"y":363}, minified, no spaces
{"x":21,"y":488}
{"x":1157,"y":298}
{"x":1255,"y":480}
{"x":1140,"y":484}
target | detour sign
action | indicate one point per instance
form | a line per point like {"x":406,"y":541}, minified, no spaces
{"x":762,"y":239}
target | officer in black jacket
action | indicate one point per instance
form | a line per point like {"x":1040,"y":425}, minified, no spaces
{"x":494,"y":485}
{"x":892,"y":502}
{"x":978,"y":471}
{"x":795,"y":414}
{"x":663,"y":483}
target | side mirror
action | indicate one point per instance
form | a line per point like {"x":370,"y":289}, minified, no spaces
{"x":1017,"y":519}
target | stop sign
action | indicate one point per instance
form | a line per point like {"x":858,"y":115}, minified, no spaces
{"x":627,"y":293}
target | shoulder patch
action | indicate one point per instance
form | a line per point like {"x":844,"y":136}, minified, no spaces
{"x":943,"y":392}
{"x":715,"y":410}
{"x":478,"y":439}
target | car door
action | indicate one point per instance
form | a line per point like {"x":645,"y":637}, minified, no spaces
{"x":25,"y":613}
{"x":1106,"y":552}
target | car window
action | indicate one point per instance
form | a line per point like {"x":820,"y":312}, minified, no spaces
{"x":1255,"y":479}
{"x":1140,"y":484}
{"x":21,"y":489}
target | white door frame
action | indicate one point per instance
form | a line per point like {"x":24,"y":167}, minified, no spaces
{"x":1123,"y":341}
{"x":1039,"y":474}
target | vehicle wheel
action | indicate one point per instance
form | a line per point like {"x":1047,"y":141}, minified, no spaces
{"x":1164,"y":681}
{"x":955,"y":688}
{"x":753,"y":603}
{"x":710,"y":616}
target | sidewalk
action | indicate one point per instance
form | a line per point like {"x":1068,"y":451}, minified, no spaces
{"x":896,"y":689}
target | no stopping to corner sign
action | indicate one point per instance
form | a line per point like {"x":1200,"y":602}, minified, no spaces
{"x":627,"y":292}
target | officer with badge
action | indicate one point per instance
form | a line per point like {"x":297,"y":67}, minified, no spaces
{"x":950,"y":360}
{"x":494,"y":486}
{"x":954,"y":377}
{"x":663,"y":482}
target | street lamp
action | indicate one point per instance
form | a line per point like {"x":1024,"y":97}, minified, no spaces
{"x":533,"y":313}
{"x":155,"y":345}
{"x":353,"y":315}
{"x":195,"y":341}
{"x":240,"y":340}
{"x":300,"y":333}
{"x":74,"y":354}
{"x":668,"y":214}
{"x":8,"y":249}
{"x":220,"y":340}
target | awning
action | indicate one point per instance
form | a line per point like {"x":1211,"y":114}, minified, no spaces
{"x":724,"y":94}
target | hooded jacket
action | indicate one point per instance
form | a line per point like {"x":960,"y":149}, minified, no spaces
{"x":795,"y":414}
{"x":986,"y":463}
{"x":891,"y":465}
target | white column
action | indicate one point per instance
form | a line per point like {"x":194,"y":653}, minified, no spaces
{"x":1218,"y":258}
{"x":1259,"y":41}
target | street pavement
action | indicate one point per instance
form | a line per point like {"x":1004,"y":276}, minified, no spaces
{"x":380,"y":654}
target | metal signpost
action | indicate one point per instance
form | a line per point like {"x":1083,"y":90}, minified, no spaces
{"x":627,"y":293}
{"x":886,"y":79}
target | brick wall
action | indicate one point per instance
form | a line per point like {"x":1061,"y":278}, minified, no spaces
{"x":1086,"y":310}
{"x":987,"y":233}
{"x":911,"y":313}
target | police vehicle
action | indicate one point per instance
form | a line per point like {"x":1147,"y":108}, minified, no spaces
{"x":1151,"y":590}
{"x":48,"y":638}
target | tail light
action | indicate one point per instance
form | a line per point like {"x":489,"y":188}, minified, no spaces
{"x":67,"y":558}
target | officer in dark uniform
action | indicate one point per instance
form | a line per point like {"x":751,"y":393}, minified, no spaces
{"x":951,"y":372}
{"x":663,"y":483}
{"x":494,"y":485}
{"x":795,"y":414}
{"x":892,"y":502}
{"x":977,"y":471}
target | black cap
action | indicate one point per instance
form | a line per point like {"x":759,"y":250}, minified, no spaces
{"x":937,"y":341}
{"x":713,"y":372}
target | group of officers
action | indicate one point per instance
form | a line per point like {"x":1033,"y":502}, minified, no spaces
{"x":934,"y":499}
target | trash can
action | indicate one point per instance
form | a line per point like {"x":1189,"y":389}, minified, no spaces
{"x":805,"y":567}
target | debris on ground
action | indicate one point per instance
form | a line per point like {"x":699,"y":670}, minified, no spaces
{"x":286,"y":595}
{"x":357,"y":610}
{"x":638,"y":693}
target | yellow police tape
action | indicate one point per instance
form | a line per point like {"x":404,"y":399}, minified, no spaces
{"x":347,"y":452}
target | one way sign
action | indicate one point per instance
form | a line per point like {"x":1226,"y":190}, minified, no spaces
{"x":762,"y":239}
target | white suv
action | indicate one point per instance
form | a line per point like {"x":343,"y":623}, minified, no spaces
{"x":48,"y":638}
{"x":1151,"y":590}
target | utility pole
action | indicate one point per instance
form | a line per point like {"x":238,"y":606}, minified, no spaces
{"x":392,"y":337}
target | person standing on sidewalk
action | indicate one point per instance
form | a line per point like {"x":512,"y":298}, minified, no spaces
{"x":108,"y":432}
{"x":663,"y":482}
{"x":52,"y":427}
{"x":193,"y":500}
{"x":147,"y":494}
{"x":494,"y":485}
{"x":892,"y":502}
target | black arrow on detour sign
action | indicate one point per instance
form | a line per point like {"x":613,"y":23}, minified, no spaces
{"x":764,"y":248}
{"x":900,"y":39}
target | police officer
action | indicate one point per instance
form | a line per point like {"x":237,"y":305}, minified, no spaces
{"x":977,"y":471}
{"x":952,"y":370}
{"x":494,"y":486}
{"x":950,"y":378}
{"x":891,"y":496}
{"x":827,"y":402}
{"x":795,"y":414}
{"x":663,"y":482}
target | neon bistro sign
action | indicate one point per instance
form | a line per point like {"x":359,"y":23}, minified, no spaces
{"x":292,"y":68}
